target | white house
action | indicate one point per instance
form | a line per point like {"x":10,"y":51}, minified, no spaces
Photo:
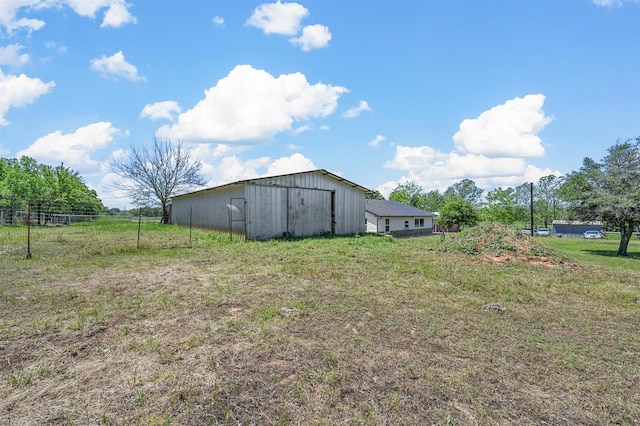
{"x":397,"y":219}
{"x":299,"y":204}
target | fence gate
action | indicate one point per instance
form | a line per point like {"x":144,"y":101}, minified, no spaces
{"x":236,"y":217}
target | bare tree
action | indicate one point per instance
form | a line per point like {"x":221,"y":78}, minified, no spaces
{"x":158,"y":173}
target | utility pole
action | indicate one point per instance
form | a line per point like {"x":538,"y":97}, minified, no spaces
{"x":531,"y":204}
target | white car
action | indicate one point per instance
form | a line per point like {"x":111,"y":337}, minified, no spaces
{"x":544,"y":232}
{"x":592,"y":234}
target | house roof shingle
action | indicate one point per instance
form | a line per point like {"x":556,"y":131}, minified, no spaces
{"x":384,"y":208}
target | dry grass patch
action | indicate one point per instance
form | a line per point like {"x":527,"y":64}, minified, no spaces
{"x":364,"y":330}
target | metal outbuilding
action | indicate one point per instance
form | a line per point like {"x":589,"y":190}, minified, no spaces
{"x":308,"y":203}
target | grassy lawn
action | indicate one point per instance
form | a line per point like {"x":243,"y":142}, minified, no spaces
{"x":599,"y":252}
{"x":356,"y":330}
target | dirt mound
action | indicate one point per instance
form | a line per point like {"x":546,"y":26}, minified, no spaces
{"x":499,"y":243}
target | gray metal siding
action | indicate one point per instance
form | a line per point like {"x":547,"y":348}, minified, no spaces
{"x":349,"y":204}
{"x":208,"y":210}
{"x":309,"y":211}
{"x":296,"y":204}
{"x":264,"y":213}
{"x":349,"y":211}
{"x":274,"y":211}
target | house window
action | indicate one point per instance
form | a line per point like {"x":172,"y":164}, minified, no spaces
{"x":386,"y":225}
{"x":406,"y":224}
{"x":419,"y":223}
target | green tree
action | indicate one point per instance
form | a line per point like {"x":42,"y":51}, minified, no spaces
{"x":48,"y":189}
{"x":466,"y":190}
{"x":457,"y":211}
{"x":547,"y":201}
{"x":70,"y":193}
{"x":376,"y":195}
{"x":609,"y":190}
{"x":434,"y":201}
{"x":22,"y":183}
{"x":409,"y":193}
{"x":157,"y":173}
{"x":501,"y":206}
{"x":523,"y":199}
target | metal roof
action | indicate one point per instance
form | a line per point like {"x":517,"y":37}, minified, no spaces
{"x":257,"y":181}
{"x":384,"y":208}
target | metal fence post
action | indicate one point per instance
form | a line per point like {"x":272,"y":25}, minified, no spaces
{"x":139,"y":224}
{"x":29,"y":230}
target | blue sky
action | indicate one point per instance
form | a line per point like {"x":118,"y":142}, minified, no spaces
{"x":378,"y":92}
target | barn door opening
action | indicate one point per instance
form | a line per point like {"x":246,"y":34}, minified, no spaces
{"x":236,"y":217}
{"x":333,"y":212}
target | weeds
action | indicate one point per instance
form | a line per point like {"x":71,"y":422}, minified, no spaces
{"x":362,"y":330}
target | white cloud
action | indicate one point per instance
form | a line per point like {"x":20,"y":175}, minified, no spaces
{"x":312,"y":37}
{"x":218,"y":20}
{"x":87,"y":8}
{"x":609,"y":3}
{"x":158,"y":110}
{"x":109,"y":190}
{"x":74,"y":149}
{"x":612,"y":3}
{"x":216,"y":170}
{"x":302,"y":129}
{"x":220,"y":150}
{"x":118,"y":15}
{"x":477,"y":156}
{"x":10,"y":55}
{"x":293,"y":164}
{"x":375,"y":143}
{"x":59,"y":48}
{"x":278,"y":18}
{"x":252,"y":105}
{"x":509,"y":129}
{"x":9,"y":19}
{"x":116,"y":66}
{"x":386,"y":188}
{"x":355,"y":111}
{"x":19,"y":90}
{"x":433,"y":169}
{"x":232,"y":169}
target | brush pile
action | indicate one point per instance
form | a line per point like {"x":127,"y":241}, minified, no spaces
{"x":499,"y":243}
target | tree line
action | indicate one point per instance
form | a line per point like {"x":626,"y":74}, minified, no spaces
{"x":464,"y":203}
{"x":55,"y":190}
{"x":608,"y":191}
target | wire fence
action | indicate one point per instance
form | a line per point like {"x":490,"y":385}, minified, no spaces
{"x":39,"y":233}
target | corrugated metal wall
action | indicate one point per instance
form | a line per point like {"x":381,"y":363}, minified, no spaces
{"x":278,"y":211}
{"x":296,"y":204}
{"x":349,"y":205}
{"x":207,"y":209}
